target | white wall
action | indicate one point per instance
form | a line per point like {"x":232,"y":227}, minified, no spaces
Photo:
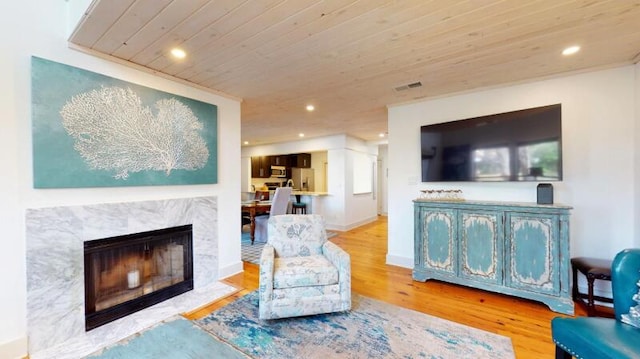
{"x":360,"y":208}
{"x":637,"y":158}
{"x":335,"y":205}
{"x":319,"y":163}
{"x":39,"y":28}
{"x":599,"y":141}
{"x":383,"y":165}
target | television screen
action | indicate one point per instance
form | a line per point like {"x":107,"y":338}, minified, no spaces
{"x":523,"y":145}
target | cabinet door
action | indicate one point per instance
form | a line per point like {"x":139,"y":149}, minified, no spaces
{"x":304,"y":161}
{"x":438,"y":242}
{"x":532,"y":256}
{"x":300,"y":160}
{"x":260,"y":167}
{"x":279,"y":160}
{"x":481,"y":242}
{"x":255,"y":167}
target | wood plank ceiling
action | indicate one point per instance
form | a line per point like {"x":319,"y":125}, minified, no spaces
{"x":347,"y":57}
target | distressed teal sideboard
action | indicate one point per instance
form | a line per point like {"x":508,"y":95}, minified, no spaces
{"x":520,"y":249}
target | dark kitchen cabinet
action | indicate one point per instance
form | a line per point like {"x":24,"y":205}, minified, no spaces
{"x":300,"y":160}
{"x":279,"y":160}
{"x":260,"y":167}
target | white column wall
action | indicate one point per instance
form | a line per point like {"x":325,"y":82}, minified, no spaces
{"x":40,"y":28}
{"x":334,"y":206}
{"x":637,"y":157}
{"x":383,"y":193}
{"x":319,"y":163}
{"x":599,"y":145}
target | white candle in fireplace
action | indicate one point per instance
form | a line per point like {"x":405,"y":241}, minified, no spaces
{"x":133,"y":278}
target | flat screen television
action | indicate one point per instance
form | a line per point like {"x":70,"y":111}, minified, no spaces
{"x":523,"y":145}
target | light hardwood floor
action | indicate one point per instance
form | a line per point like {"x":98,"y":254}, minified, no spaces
{"x":526,"y":322}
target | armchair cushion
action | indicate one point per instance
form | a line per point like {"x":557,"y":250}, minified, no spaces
{"x":297,"y":237}
{"x":291,"y":272}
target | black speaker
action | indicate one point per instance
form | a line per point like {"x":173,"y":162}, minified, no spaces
{"x":545,"y":193}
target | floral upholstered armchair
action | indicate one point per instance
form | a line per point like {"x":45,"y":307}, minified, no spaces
{"x":301,"y":272}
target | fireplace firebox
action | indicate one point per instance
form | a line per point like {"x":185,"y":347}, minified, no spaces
{"x":128,"y":273}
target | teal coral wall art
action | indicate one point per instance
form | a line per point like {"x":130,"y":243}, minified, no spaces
{"x":91,"y":130}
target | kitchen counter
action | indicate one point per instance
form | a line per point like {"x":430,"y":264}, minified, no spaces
{"x":308,"y":193}
{"x":314,"y":200}
{"x":249,"y":196}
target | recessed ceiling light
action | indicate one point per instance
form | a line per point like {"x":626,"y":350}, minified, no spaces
{"x":301,"y":134}
{"x":381,"y":135}
{"x":178,"y":53}
{"x":310,"y":108}
{"x":246,"y":142}
{"x":570,"y":50}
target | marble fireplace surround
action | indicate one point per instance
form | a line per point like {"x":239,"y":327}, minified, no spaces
{"x":55,"y":268}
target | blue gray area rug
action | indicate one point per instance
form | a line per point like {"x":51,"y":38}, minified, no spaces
{"x":372,"y":329}
{"x":175,"y":338}
{"x":251,"y":252}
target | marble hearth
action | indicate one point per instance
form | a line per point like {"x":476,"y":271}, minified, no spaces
{"x":55,"y":269}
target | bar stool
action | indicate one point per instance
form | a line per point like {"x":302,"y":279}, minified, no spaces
{"x":299,"y":208}
{"x":592,"y":268}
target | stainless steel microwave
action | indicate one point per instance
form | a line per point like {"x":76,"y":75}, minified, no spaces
{"x":279,"y":171}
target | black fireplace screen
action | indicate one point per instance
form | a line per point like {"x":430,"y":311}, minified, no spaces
{"x":128,"y":273}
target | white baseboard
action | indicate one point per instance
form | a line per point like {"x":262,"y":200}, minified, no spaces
{"x":15,"y":349}
{"x":348,"y":227}
{"x":230,"y":270}
{"x":400,"y":261}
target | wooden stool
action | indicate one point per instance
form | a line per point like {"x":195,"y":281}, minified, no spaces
{"x":302,"y":207}
{"x":592,"y":268}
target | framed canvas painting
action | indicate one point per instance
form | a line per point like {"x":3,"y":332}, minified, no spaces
{"x":91,"y":130}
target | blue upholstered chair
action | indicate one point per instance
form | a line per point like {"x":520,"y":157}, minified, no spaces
{"x":601,"y":338}
{"x":301,"y":272}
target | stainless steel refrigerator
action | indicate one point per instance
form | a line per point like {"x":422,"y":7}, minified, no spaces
{"x":302,"y":179}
